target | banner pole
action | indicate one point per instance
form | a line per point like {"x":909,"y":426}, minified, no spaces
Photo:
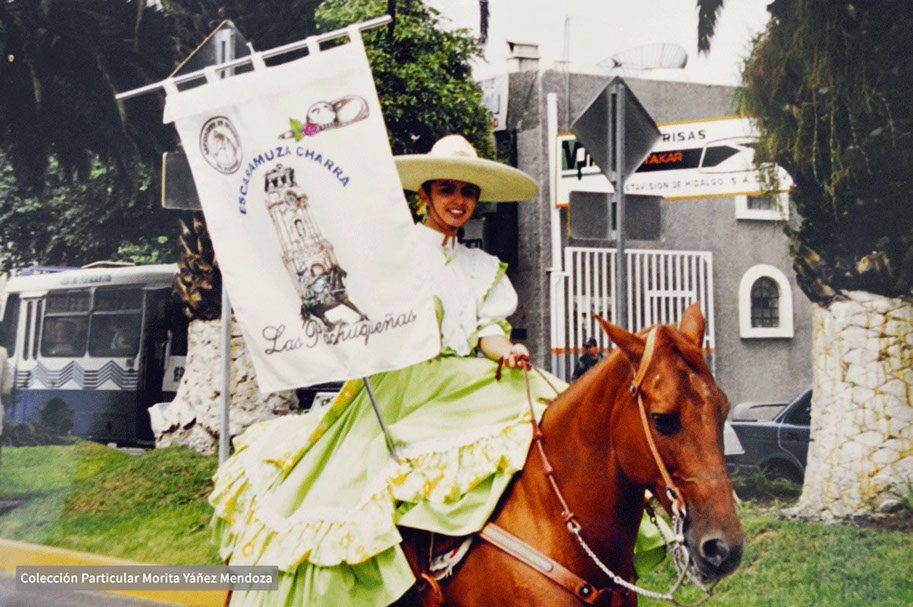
{"x":225,"y":397}
{"x":279,"y":50}
{"x":388,"y":438}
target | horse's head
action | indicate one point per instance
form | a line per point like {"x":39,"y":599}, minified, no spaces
{"x":683,"y":411}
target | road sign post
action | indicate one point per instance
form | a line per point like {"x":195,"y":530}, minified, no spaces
{"x":619,"y":133}
{"x":621,"y":276}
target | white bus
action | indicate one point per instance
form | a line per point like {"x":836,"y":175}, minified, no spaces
{"x":95,"y":346}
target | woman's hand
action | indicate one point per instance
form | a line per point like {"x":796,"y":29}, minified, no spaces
{"x":501,"y":349}
{"x":517,"y":357}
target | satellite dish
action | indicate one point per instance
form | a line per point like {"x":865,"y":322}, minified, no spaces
{"x":658,"y":55}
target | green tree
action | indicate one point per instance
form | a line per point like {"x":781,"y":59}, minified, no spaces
{"x":829,"y":83}
{"x":62,"y":63}
{"x":79,"y":169}
{"x":423,"y":74}
{"x":74,"y":222}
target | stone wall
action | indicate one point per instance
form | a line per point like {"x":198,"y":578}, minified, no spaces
{"x":193,"y":417}
{"x":861,"y":455}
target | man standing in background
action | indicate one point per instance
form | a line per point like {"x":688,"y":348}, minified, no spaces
{"x":591,"y":356}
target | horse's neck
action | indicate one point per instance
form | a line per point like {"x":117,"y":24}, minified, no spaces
{"x":583,"y":455}
{"x":582,"y":449}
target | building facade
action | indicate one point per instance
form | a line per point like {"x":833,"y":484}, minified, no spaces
{"x":727,"y":251}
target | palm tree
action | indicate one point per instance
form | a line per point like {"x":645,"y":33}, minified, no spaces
{"x":707,"y":13}
{"x":829,"y":82}
{"x":61,"y":64}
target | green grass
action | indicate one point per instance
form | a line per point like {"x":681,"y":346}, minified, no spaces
{"x":149,"y":508}
{"x":797,"y":564}
{"x":788,"y":563}
{"x":152,"y":508}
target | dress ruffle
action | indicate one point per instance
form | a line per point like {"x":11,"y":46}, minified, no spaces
{"x":434,"y":472}
{"x":461,"y":436}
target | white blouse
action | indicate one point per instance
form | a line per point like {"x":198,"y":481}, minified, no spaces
{"x":476,"y":295}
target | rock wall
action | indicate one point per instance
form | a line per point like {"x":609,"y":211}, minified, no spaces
{"x":193,"y":417}
{"x":861,"y":457}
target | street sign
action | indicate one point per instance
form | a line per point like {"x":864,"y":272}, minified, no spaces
{"x":594,"y":128}
{"x":224,"y":44}
{"x":494,"y":98}
{"x":588,"y":220}
{"x":695,"y":159}
{"x":619,"y":134}
{"x":179,"y":192}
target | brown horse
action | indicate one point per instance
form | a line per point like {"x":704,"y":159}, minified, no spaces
{"x":595,"y":439}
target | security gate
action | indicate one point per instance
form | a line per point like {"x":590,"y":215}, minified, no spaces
{"x":660,"y":285}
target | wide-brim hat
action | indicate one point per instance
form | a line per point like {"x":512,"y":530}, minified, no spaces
{"x":452,"y":157}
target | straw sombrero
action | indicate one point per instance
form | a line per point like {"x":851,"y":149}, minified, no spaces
{"x":452,"y":157}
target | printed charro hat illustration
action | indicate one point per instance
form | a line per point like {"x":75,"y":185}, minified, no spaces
{"x":326,"y":115}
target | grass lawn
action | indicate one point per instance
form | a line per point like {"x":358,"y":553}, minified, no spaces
{"x":153,"y":508}
{"x":149,"y":508}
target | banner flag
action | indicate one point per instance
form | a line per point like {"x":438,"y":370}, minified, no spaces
{"x":308,"y":218}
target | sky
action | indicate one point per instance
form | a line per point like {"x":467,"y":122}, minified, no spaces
{"x":601,"y":28}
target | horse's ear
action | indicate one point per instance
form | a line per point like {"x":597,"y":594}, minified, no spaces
{"x":630,"y":344}
{"x":692,"y":325}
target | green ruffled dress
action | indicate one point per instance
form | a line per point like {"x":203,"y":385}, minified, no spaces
{"x":321,"y":498}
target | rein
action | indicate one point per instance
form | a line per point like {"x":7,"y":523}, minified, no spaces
{"x":583,"y":590}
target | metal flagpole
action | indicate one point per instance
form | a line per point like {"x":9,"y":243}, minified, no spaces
{"x":388,"y":438}
{"x":273,"y":52}
{"x":225,"y":397}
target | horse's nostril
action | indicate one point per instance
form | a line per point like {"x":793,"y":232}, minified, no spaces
{"x":714,"y":551}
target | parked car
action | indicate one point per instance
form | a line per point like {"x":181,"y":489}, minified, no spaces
{"x":314,"y":398}
{"x":774,"y":437}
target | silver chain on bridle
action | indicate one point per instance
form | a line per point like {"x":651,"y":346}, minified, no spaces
{"x":675,"y":545}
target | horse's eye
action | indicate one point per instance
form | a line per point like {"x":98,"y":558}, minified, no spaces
{"x":665,"y":423}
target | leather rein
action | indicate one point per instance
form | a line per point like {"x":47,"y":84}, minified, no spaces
{"x":520,"y":550}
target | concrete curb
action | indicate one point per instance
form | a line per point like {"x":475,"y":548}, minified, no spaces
{"x":13,"y":553}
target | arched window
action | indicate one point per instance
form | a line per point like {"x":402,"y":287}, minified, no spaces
{"x":765,"y":303}
{"x":765,"y":297}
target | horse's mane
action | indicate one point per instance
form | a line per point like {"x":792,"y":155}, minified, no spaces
{"x":597,"y":381}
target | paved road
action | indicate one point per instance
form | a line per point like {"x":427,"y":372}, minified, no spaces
{"x":10,"y":597}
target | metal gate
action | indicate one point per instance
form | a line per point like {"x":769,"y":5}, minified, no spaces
{"x":660,"y":285}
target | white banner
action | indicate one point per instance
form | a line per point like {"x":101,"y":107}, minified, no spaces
{"x":308,"y":219}
{"x":700,"y":159}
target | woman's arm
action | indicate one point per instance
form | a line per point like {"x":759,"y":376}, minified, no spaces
{"x":497,"y":347}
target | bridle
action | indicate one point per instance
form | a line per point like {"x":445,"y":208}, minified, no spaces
{"x":672,"y":492}
{"x":582,"y":589}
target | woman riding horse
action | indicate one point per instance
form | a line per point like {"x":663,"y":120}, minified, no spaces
{"x":321,"y":497}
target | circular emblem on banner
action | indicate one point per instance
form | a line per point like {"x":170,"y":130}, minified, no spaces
{"x":220,"y":145}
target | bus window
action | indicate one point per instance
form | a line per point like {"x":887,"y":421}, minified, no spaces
{"x":66,"y":324}
{"x":116,"y":322}
{"x":64,"y":337}
{"x":29,"y":316}
{"x":39,"y":313}
{"x":10,"y":324}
